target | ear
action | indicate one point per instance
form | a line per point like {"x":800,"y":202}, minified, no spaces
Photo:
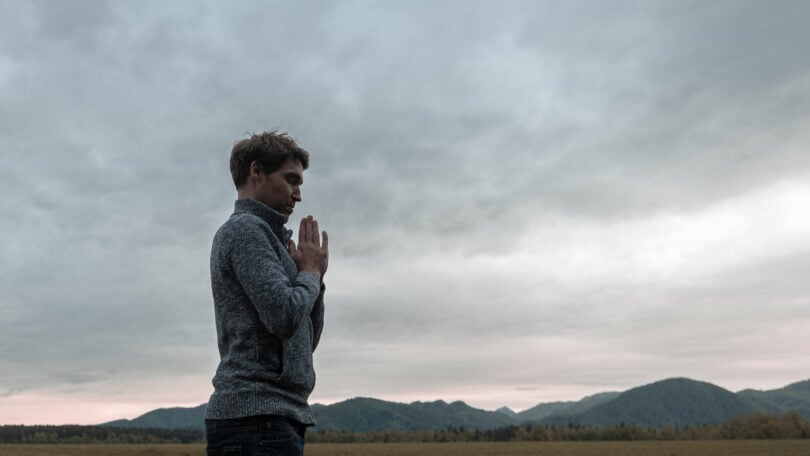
{"x":255,"y":170}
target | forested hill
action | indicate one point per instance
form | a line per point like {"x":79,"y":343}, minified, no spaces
{"x":166,"y":418}
{"x":677,"y":402}
{"x":373,"y":415}
{"x":792,"y":397}
{"x":544,"y":410}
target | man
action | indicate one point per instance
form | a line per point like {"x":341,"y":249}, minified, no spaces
{"x":268,"y":302}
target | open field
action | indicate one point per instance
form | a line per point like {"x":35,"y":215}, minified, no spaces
{"x":667,"y":448}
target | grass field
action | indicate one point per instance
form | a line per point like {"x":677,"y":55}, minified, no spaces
{"x":679,"y":448}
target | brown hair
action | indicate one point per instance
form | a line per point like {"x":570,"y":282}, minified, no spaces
{"x":270,"y":149}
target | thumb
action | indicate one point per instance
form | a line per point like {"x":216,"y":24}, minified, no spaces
{"x":291,"y":246}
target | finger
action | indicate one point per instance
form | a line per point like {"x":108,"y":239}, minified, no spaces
{"x":315,"y":233}
{"x":302,"y":231}
{"x":308,"y":228}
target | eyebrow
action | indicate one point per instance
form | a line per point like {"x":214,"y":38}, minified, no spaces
{"x":298,"y":179}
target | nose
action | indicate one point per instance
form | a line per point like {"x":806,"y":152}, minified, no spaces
{"x":296,"y":194}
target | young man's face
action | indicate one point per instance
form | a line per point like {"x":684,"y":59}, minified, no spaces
{"x":281,"y":189}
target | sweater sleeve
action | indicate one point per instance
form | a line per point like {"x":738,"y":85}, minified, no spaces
{"x":317,"y":318}
{"x":281,"y":303}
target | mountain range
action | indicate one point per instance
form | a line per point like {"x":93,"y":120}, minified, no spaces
{"x":676,"y":402}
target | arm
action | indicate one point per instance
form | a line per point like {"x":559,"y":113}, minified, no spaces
{"x":311,"y":255}
{"x":317,"y":318}
{"x":280,"y":303}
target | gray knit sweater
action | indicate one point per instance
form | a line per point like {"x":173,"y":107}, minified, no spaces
{"x":269,"y":319}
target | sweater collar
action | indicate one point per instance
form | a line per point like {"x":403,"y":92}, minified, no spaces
{"x":273,"y":218}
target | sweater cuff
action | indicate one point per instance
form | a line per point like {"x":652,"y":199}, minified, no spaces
{"x":312,"y":281}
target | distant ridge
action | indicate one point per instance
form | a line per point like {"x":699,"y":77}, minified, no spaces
{"x":795,"y":396}
{"x":373,"y":415}
{"x":677,"y":402}
{"x":541,"y":411}
{"x":507,"y":411}
{"x":166,"y":418}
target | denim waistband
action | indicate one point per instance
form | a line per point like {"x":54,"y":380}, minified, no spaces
{"x":260,"y":422}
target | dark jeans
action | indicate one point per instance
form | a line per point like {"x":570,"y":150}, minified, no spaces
{"x":266,"y":435}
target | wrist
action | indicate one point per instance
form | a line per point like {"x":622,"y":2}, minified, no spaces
{"x":315,"y":272}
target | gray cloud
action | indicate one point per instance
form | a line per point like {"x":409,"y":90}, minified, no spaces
{"x":489,"y":175}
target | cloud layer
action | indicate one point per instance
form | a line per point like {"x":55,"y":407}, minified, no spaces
{"x":528,"y":201}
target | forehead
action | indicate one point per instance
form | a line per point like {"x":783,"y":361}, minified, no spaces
{"x":291,"y":166}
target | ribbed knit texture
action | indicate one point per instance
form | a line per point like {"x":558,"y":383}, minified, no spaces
{"x":269,"y":319}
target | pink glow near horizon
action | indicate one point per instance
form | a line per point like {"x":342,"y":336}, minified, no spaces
{"x":31,"y":409}
{"x":56,"y":409}
{"x":85,"y":409}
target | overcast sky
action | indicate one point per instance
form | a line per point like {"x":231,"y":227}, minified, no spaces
{"x":526,"y":201}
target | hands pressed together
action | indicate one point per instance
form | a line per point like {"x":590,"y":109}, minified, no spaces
{"x":310,"y":254}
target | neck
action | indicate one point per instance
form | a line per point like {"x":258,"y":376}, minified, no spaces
{"x":246,"y":192}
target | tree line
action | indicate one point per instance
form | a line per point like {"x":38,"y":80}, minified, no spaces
{"x":791,"y":425}
{"x":96,"y":434}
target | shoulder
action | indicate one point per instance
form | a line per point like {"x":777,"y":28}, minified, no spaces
{"x":244,"y":223}
{"x":243,"y":228}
